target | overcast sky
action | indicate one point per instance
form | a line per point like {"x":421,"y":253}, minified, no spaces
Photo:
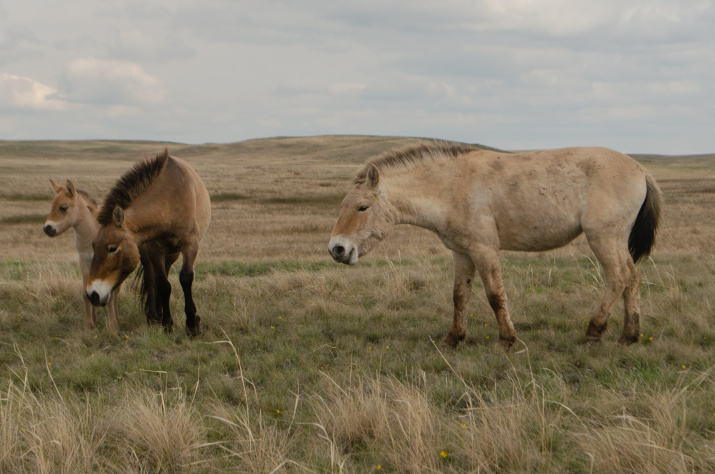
{"x":637,"y":76}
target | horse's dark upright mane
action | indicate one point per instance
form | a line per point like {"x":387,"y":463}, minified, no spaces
{"x":413,"y":155}
{"x":131,"y":185}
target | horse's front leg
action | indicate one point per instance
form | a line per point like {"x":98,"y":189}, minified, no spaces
{"x":464,"y":271}
{"x":487,"y":261}
{"x":112,"y":312}
{"x":90,"y":312}
{"x":194,"y":326}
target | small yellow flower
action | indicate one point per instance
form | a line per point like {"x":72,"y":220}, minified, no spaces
{"x":682,"y":366}
{"x":443,"y":454}
{"x":278,"y":412}
{"x":487,"y":337}
{"x":387,"y":347}
{"x":378,"y":467}
{"x":464,"y":426}
{"x":49,"y":363}
{"x":95,"y":336}
{"x":272,"y":327}
{"x":650,"y":338}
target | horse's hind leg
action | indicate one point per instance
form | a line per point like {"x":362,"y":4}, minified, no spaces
{"x":464,"y":271}
{"x":163,"y":290}
{"x":632,"y":306}
{"x":612,"y":254}
{"x":152,"y":310}
{"x":194,"y":326}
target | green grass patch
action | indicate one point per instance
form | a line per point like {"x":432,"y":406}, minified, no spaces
{"x":24,"y":219}
{"x":330,"y":199}
{"x":228,"y":197}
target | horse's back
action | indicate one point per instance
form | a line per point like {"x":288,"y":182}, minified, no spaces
{"x":203,"y":200}
{"x":180,"y":198}
{"x":544,"y":199}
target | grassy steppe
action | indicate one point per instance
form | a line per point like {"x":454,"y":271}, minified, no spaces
{"x":311,"y":366}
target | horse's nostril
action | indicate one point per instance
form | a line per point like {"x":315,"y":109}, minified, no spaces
{"x":338,"y":250}
{"x":94,"y":298}
{"x":48,"y":230}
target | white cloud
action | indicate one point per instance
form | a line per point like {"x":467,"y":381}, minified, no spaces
{"x":98,"y":81}
{"x":18,"y":92}
{"x":510,"y":73}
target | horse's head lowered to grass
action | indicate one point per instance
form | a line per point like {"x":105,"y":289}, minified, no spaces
{"x":116,"y":255}
{"x":366,"y":217}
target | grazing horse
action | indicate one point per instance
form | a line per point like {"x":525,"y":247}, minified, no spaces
{"x":74,"y":208}
{"x":156,"y":211}
{"x":479,"y":202}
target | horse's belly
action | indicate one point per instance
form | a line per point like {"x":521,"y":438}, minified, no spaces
{"x":538,"y":233}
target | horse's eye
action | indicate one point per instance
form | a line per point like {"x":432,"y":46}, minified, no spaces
{"x":112,"y":248}
{"x":362,"y":208}
{"x":64,"y":207}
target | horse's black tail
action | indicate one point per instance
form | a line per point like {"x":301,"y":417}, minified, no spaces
{"x":645,"y":228}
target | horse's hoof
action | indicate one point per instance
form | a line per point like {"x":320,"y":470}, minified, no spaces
{"x":197,"y":330}
{"x":628,"y":340}
{"x":506,"y":343}
{"x":168,"y":329}
{"x":451,"y":341}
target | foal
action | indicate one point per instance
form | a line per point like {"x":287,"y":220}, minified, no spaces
{"x":74,"y":208}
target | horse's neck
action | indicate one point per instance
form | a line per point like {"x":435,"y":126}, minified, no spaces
{"x":416,"y":204}
{"x":86,"y":228}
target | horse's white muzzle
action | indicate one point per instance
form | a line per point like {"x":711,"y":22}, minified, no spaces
{"x":343,"y":251}
{"x":99,"y":292}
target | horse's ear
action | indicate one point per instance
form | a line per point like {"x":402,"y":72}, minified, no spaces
{"x":70,"y":188}
{"x":373,"y":177}
{"x":118,"y":216}
{"x":56,"y":187}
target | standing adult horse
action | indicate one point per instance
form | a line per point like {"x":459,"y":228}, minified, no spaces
{"x":479,"y":202}
{"x":156,"y":211}
{"x":74,"y":208}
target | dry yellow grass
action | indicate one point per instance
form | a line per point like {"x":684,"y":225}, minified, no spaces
{"x":310,"y":366}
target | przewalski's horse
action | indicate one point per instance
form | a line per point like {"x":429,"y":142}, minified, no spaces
{"x":479,"y":202}
{"x":74,"y":208}
{"x":156,"y":211}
